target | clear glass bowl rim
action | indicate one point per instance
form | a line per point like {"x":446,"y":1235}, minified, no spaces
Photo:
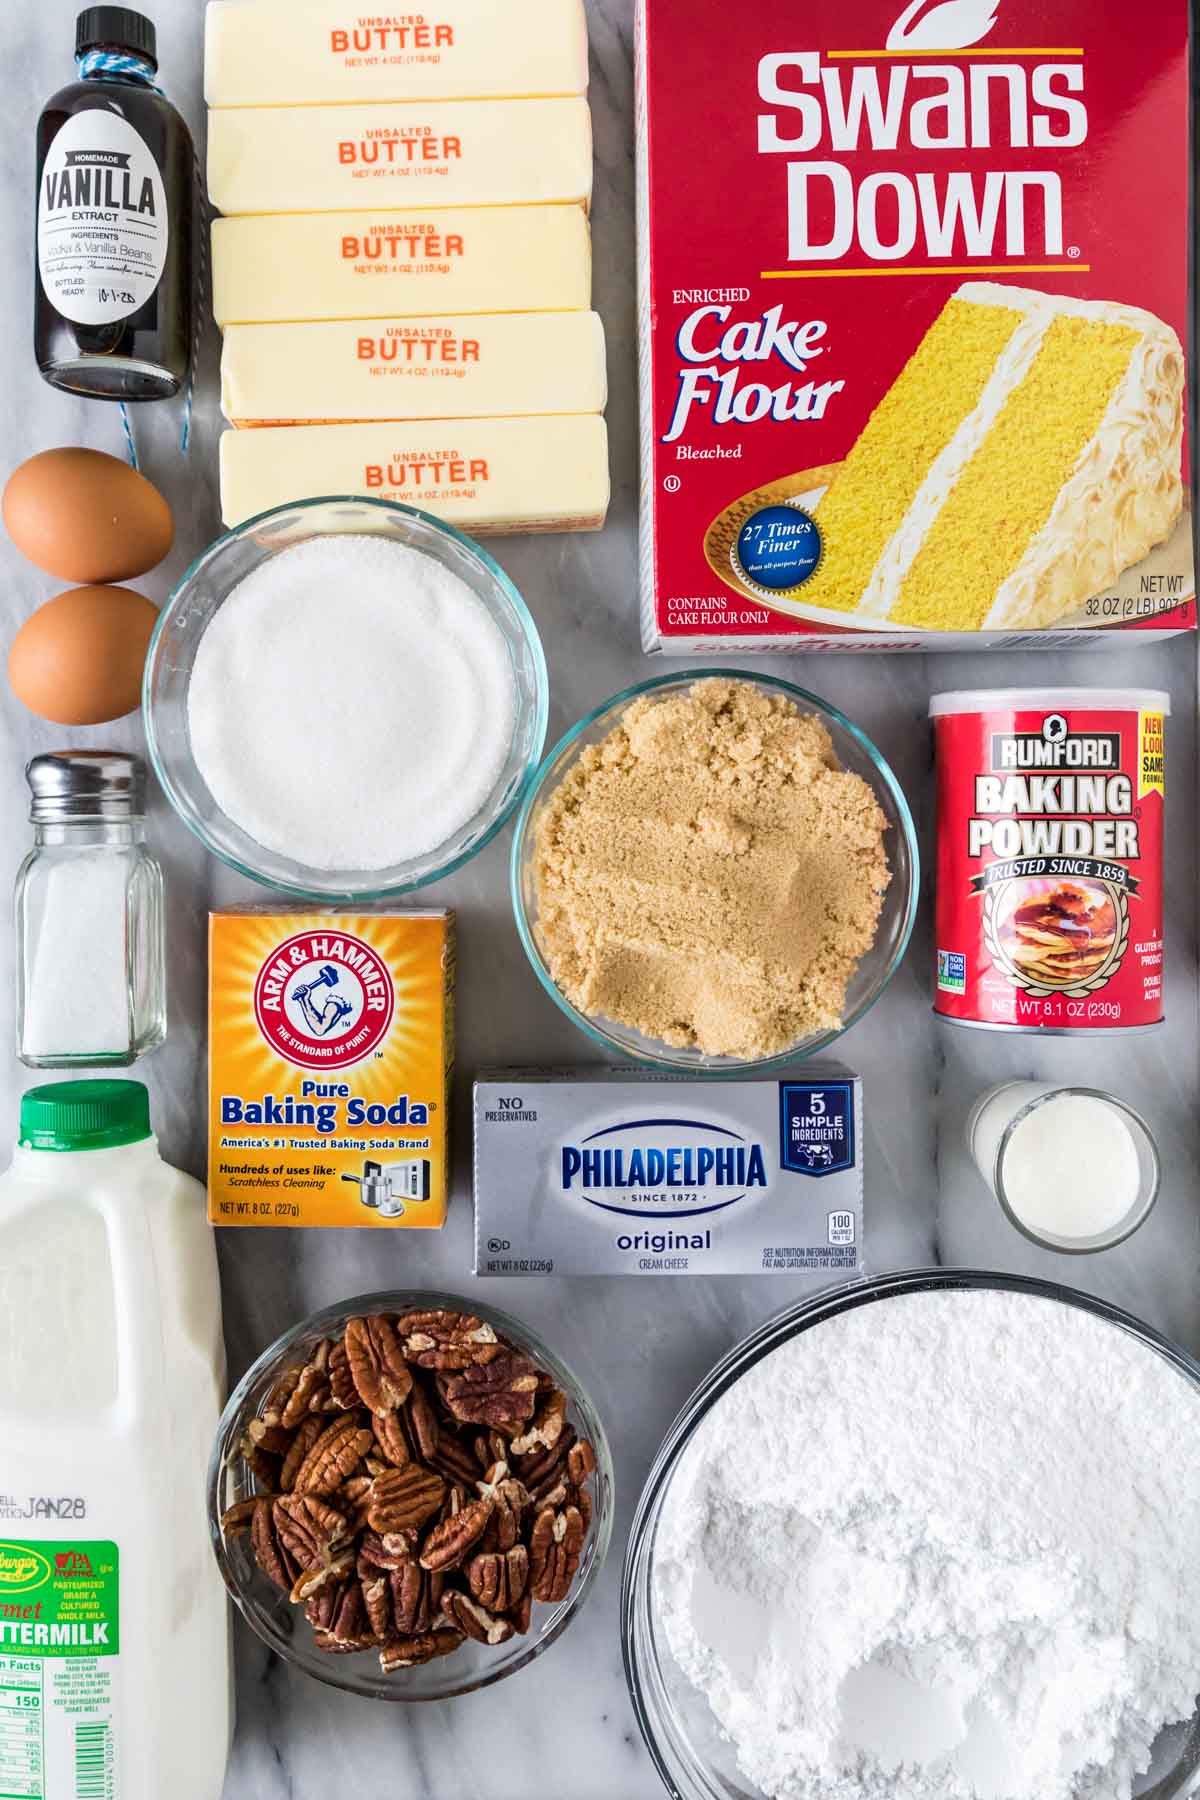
{"x":687,"y":1782}
{"x":225,"y":1451}
{"x":734,"y":1067}
{"x":529,"y":631}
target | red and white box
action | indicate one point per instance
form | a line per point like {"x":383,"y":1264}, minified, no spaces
{"x":914,"y":296}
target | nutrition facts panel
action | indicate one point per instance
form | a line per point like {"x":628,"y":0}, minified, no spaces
{"x":22,"y":1760}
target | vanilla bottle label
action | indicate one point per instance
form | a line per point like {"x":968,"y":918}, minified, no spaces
{"x":103,"y":229}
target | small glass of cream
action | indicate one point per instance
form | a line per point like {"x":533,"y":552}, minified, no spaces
{"x":1075,"y":1169}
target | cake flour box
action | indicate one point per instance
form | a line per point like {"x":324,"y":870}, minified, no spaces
{"x":914,"y":290}
{"x":331,"y":1046}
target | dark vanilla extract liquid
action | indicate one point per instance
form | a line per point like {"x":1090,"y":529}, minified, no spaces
{"x":113,"y":311}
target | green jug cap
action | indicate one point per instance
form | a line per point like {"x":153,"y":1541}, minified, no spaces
{"x":84,"y":1115}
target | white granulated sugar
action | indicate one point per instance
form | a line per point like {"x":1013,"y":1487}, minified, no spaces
{"x":352,"y":704}
{"x":942,"y":1547}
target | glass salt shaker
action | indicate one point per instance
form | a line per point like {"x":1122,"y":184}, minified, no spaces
{"x":91,"y":966}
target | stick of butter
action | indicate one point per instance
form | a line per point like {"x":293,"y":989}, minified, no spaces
{"x":490,"y":366}
{"x":489,"y":476}
{"x":311,"y":52}
{"x":389,"y":265}
{"x":264,"y":159}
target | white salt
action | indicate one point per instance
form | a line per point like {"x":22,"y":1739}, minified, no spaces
{"x":352,"y":704}
{"x":77,"y":985}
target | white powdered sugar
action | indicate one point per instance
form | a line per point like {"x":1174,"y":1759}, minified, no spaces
{"x":943,"y":1547}
{"x":352,"y":703}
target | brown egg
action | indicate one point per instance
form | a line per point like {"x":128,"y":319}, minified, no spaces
{"x":85,"y":516}
{"x":78,"y":660}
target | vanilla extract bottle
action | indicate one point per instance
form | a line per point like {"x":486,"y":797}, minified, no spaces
{"x":115,"y":167}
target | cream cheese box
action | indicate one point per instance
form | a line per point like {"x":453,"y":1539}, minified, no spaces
{"x":604,"y":1172}
{"x":280,"y":159}
{"x":487,"y":476}
{"x":387,"y":264}
{"x":488,"y":366}
{"x":311,"y":52}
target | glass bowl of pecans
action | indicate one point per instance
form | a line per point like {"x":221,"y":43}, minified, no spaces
{"x":410,"y":1496}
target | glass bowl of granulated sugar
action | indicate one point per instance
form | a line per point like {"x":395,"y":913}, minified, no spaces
{"x":929,"y":1537}
{"x":345,"y":699}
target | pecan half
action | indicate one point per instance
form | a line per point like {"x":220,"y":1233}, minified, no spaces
{"x":270,"y":1554}
{"x":421,"y":1421}
{"x":406,"y":1652}
{"x":377,"y":1598}
{"x":453,"y":1460}
{"x":404,"y":1499}
{"x":342,"y":1392}
{"x":390,"y":1552}
{"x":511,"y":1504}
{"x":239,"y":1517}
{"x":499,"y":1581}
{"x":581,"y":1462}
{"x":354,"y":1498}
{"x":544,"y":1470}
{"x":315,"y":1535}
{"x":447,"y":1340}
{"x":499,"y":1393}
{"x":307,"y":1433}
{"x":311,"y":1392}
{"x":339,"y":1616}
{"x":474,"y":1620}
{"x":416,"y":1595}
{"x":449,"y":1543}
{"x":546,"y":1427}
{"x":391,"y":1438}
{"x":555,"y":1547}
{"x":334,"y":1457}
{"x":275,"y":1404}
{"x":381,"y":1375}
{"x":273,"y":1440}
{"x":490,"y":1448}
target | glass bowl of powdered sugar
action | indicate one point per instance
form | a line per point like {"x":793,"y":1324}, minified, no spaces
{"x":930,"y":1536}
{"x":345,"y":698}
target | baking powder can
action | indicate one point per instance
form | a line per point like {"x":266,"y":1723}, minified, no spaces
{"x":1049,"y":858}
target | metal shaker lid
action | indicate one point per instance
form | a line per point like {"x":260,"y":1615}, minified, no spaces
{"x":86,"y":784}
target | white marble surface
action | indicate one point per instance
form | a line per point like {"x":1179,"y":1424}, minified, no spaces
{"x":565,"y":1726}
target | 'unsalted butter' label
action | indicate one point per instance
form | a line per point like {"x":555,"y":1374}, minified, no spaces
{"x":311,"y":52}
{"x":437,"y":153}
{"x":330,"y":1052}
{"x":602,"y":1173}
{"x":390,"y":264}
{"x":484,"y":475}
{"x":488,"y":366}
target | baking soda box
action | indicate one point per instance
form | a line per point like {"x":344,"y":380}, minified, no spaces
{"x":331,"y":1048}
{"x":914,"y":300}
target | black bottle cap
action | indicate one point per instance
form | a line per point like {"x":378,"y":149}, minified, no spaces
{"x":116,"y":28}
